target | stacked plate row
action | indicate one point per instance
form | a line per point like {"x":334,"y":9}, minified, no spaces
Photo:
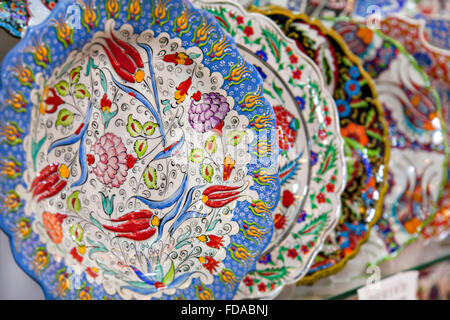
{"x":200,"y":150}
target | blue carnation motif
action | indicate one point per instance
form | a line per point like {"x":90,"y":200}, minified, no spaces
{"x":352,"y":87}
{"x":262,"y":55}
{"x":300,"y":102}
{"x":313,"y":158}
{"x":423,"y":59}
{"x":354,"y":72}
{"x":265,"y":259}
{"x":263,"y":75}
{"x":343,"y":108}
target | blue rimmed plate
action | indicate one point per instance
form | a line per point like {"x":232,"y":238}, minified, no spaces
{"x":130,"y":158}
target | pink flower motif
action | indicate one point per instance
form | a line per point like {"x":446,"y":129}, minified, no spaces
{"x":109,"y":160}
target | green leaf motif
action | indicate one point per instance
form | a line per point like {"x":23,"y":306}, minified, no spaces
{"x":62,"y":88}
{"x":150,"y":178}
{"x":273,"y":273}
{"x":194,"y":55}
{"x":327,"y":71}
{"x":211,"y":144}
{"x":278,"y":91}
{"x":35,"y":147}
{"x":183,"y":240}
{"x":73,"y":203}
{"x":65,"y":118}
{"x":170,"y":275}
{"x":315,"y":225}
{"x":159,"y":271}
{"x":149,"y":128}
{"x":75,"y":75}
{"x":329,"y":161}
{"x":134,"y":127}
{"x":103,"y":80}
{"x":196,"y":155}
{"x":95,"y":222}
{"x":76,"y":231}
{"x":81,"y":91}
{"x":207,"y":172}
{"x":140,"y":147}
{"x":105,"y":269}
{"x":235,"y":137}
{"x":96,"y":247}
{"x":274,"y":44}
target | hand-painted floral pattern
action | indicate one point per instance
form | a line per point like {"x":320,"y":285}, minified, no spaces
{"x":120,"y":189}
{"x":413,"y":114}
{"x":306,"y":116}
{"x":434,"y":61}
{"x":363,"y":129}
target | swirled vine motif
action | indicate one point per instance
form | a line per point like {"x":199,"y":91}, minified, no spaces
{"x":135,"y":174}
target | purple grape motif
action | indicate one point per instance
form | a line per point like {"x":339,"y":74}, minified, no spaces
{"x":209,"y":113}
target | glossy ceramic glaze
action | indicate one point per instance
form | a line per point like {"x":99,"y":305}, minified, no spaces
{"x":140,"y":153}
{"x":364,"y":131}
{"x":435,"y":62}
{"x":311,"y":177}
{"x":412,"y":107}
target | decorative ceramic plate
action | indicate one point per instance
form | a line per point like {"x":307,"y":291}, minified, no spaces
{"x":434,"y":61}
{"x":311,"y":163}
{"x":134,"y":151}
{"x":418,"y":160}
{"x":364,"y":131}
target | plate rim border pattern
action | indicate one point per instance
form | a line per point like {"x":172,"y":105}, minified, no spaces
{"x":20,"y":47}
